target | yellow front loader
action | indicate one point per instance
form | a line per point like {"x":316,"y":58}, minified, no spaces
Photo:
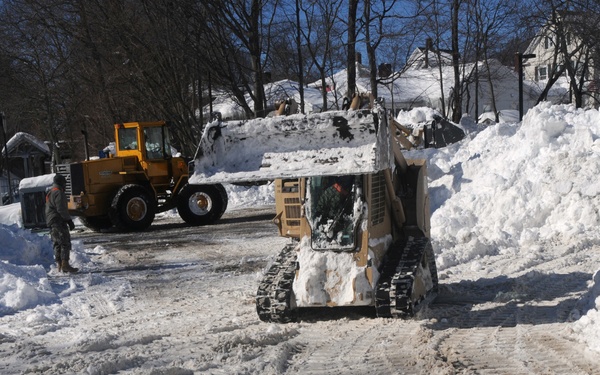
{"x":143,"y":178}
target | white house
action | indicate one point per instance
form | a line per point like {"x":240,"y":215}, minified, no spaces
{"x":548,"y":59}
{"x":419,"y":84}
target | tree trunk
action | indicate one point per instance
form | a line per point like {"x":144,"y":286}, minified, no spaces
{"x":300,"y":67}
{"x":370,"y":50}
{"x":255,"y":52}
{"x":457,"y":92}
{"x":351,"y":60}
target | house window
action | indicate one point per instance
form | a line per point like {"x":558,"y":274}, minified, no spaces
{"x":542,"y":73}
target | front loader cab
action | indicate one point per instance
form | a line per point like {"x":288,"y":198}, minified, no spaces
{"x":157,"y":143}
{"x":333,"y":211}
{"x":146,"y":140}
{"x":150,"y":143}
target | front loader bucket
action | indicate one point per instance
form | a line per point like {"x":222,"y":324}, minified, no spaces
{"x":329,"y":143}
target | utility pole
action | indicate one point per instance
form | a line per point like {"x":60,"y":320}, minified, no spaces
{"x":519,"y":57}
{"x":2,"y":125}
{"x":300,"y":66}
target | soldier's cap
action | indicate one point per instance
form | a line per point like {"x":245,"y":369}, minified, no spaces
{"x":60,"y":180}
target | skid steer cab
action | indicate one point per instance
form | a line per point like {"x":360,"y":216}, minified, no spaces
{"x":142,"y":179}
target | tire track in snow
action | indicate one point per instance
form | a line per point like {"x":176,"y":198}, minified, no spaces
{"x":343,"y":348}
{"x":365,"y":346}
{"x":501,"y":340}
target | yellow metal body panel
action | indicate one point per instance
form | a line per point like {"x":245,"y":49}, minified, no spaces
{"x":102,"y":179}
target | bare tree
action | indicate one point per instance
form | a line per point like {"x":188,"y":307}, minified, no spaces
{"x":351,"y":37}
{"x":571,"y":33}
{"x":383,"y":22}
{"x":491,"y":22}
{"x":457,"y":93}
{"x":318,"y":32}
{"x":245,"y":25}
{"x":37,"y":47}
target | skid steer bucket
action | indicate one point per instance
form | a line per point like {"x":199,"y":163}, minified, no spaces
{"x":329,"y":143}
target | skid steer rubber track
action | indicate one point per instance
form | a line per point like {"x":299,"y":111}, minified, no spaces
{"x":274,"y":299}
{"x":408,"y":279}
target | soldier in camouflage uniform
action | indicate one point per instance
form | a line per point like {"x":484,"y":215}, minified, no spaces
{"x":59,"y":221}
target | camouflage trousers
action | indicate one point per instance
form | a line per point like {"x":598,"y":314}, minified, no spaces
{"x":61,"y":241}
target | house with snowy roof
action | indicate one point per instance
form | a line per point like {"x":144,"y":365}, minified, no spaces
{"x":429,"y":57}
{"x":27,"y":157}
{"x":427,"y":80}
{"x":547,"y":58}
{"x":230,"y":109}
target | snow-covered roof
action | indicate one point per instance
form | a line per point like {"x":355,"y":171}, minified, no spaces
{"x":225,"y":104}
{"x":434,"y":58}
{"x":414,"y":86}
{"x":20,"y":138}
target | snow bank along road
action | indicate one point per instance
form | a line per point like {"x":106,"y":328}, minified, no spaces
{"x":180,"y":300}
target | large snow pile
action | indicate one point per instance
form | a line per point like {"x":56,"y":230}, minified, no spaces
{"x":24,"y":259}
{"x":515,"y":186}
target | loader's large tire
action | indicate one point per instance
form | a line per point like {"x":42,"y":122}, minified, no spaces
{"x":96,"y":223}
{"x":201,"y":204}
{"x":133,"y":208}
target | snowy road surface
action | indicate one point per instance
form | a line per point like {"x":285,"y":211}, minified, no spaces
{"x":180,"y":300}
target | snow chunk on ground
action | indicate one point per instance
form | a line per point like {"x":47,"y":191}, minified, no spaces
{"x":23,"y":282}
{"x":23,"y":287}
{"x":588,"y":327}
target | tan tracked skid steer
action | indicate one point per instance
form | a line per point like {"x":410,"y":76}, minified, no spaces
{"x":356,"y":210}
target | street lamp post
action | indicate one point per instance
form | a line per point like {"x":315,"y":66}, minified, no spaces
{"x":519,"y":61}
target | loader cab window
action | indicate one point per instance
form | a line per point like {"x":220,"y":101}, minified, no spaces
{"x":333,"y":212}
{"x":157,"y":143}
{"x":128,"y":139}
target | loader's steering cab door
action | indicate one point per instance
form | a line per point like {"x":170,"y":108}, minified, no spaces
{"x":156,"y":142}
{"x":128,"y":140}
{"x":157,"y":147}
{"x":333,"y":211}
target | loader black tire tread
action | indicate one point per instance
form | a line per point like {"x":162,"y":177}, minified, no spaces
{"x":216,"y":202}
{"x":120,"y":212}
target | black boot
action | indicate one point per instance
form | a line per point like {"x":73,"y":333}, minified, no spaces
{"x":66,"y":268}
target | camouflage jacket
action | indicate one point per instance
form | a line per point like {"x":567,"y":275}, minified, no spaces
{"x":56,"y":206}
